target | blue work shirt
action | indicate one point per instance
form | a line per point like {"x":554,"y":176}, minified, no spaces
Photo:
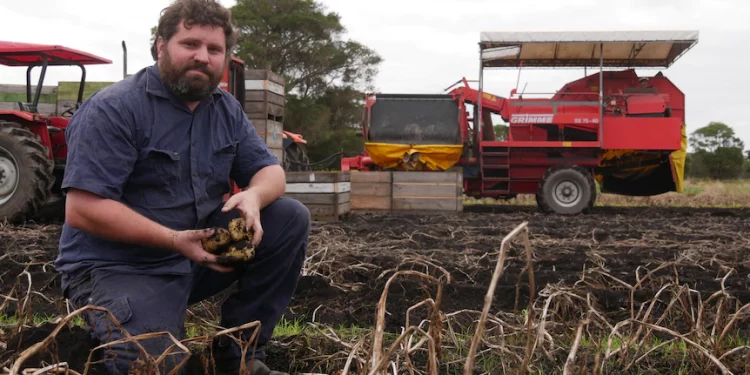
{"x":136,"y":143}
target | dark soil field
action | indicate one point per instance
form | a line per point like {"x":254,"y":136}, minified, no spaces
{"x":620,"y":290}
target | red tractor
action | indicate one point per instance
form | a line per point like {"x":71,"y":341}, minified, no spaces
{"x":623,"y":131}
{"x":32,"y":145}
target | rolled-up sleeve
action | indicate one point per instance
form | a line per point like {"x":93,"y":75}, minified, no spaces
{"x":101,"y":148}
{"x":253,"y":153}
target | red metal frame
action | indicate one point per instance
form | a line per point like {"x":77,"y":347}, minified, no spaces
{"x":29,"y":54}
{"x":568,"y":128}
{"x":50,"y":129}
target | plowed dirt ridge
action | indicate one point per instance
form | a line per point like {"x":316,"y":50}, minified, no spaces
{"x":605,"y":258}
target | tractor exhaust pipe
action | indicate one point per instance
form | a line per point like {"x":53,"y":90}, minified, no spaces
{"x":124,"y":60}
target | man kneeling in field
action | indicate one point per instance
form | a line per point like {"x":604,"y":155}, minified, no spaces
{"x":149,"y":161}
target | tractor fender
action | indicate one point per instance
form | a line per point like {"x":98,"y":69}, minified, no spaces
{"x":28,"y":116}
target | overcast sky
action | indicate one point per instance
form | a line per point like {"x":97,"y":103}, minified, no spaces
{"x":429,"y":44}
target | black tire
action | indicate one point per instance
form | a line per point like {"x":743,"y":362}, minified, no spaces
{"x":296,"y":159}
{"x":566,"y":190}
{"x":25,"y":173}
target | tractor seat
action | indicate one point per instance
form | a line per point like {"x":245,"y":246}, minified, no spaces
{"x":27,"y":107}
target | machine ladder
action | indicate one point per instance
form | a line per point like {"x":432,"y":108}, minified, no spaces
{"x":495,"y":168}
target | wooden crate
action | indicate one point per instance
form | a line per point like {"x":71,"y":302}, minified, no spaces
{"x":264,"y":75}
{"x":427,"y":191}
{"x":326,"y":194}
{"x":278,"y":152}
{"x":264,"y":111}
{"x":270,"y":131}
{"x":371,"y":191}
{"x":407,"y":192}
{"x":264,"y":95}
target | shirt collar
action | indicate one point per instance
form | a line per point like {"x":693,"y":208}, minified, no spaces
{"x":155,"y":86}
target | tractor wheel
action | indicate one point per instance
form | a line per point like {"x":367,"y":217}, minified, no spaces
{"x":296,"y":159}
{"x":566,"y":190}
{"x":25,"y":173}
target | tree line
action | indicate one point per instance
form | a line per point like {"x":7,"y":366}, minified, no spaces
{"x":326,"y":73}
{"x":717,"y":153}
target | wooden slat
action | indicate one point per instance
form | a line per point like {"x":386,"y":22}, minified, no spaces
{"x":428,"y":190}
{"x":328,"y":209}
{"x":318,"y":187}
{"x":274,"y":140}
{"x":264,"y":96}
{"x":426,"y":177}
{"x":376,"y":176}
{"x":264,"y":74}
{"x":329,"y":212}
{"x":263,"y":108}
{"x":368,"y":189}
{"x":266,"y":126}
{"x":407,"y":192}
{"x":317,"y":177}
{"x":366,"y":203}
{"x":21,"y":89}
{"x":325,"y":198}
{"x":5,"y":106}
{"x":265,"y":85}
{"x":279,"y":153}
{"x":326,"y":194}
{"x":270,"y":131}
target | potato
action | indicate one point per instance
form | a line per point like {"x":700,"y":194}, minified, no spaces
{"x":236,"y":254}
{"x":238,"y":231}
{"x":219,"y":239}
{"x":232,"y":245}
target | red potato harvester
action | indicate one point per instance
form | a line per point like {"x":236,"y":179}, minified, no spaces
{"x":623,"y":131}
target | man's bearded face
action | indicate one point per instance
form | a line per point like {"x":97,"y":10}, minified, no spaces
{"x":192,"y":63}
{"x":191,"y":81}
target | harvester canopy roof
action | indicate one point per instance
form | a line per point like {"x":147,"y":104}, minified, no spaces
{"x":27,"y":54}
{"x":631,"y":49}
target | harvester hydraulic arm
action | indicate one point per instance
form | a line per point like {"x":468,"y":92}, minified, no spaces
{"x":490,"y":104}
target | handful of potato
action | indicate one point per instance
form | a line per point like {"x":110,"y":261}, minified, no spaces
{"x":232,"y":246}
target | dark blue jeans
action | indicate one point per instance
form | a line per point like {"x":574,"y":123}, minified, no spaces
{"x":155,"y":303}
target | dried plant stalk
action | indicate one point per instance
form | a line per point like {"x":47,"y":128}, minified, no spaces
{"x":36,"y":348}
{"x":521,"y":228}
{"x":377,"y":347}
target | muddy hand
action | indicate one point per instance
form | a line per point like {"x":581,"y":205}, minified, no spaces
{"x":188,"y":243}
{"x":248,"y":204}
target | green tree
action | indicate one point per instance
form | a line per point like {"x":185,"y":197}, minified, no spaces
{"x":326,"y":74}
{"x":718,"y":152}
{"x":715,"y":135}
{"x":329,"y":118}
{"x":305,"y":43}
{"x":501,"y":131}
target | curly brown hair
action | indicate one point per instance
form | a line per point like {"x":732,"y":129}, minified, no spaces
{"x":194,"y":12}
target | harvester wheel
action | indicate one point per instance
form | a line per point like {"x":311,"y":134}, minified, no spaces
{"x":566,"y":190}
{"x":25,"y":173}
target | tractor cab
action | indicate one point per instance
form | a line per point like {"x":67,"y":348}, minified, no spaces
{"x":32,"y":144}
